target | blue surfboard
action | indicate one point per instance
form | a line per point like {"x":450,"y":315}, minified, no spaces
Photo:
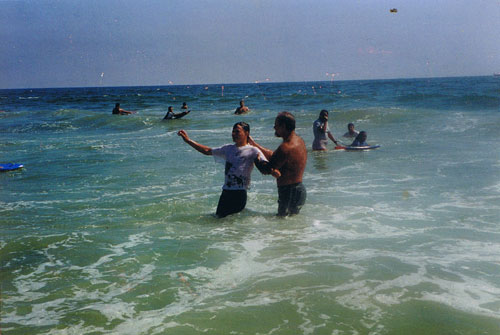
{"x":367,"y":147}
{"x":9,"y":167}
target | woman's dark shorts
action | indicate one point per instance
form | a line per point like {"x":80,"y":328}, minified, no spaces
{"x":230,"y":202}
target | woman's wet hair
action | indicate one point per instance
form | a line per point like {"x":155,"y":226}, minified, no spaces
{"x":243,"y":125}
{"x":287,"y":119}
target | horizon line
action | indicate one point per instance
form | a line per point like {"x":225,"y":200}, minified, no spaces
{"x":248,"y":83}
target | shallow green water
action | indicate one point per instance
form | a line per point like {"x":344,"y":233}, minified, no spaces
{"x":109,"y":229}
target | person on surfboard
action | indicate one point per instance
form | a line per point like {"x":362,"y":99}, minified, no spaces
{"x":171,"y":115}
{"x":360,"y":140}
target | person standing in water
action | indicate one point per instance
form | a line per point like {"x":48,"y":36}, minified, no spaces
{"x":321,"y":131}
{"x":239,"y":158}
{"x":290,"y":159}
{"x":242,"y":109}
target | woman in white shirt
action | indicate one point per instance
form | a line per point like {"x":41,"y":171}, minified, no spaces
{"x":239,"y":158}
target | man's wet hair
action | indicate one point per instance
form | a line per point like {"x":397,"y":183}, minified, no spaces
{"x":323,"y":112}
{"x":287,"y":119}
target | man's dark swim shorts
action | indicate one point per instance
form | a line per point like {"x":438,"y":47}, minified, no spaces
{"x":291,"y":198}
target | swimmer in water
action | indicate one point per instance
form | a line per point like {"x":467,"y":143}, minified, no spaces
{"x":242,"y":109}
{"x":351,"y":133}
{"x":171,"y":115}
{"x":360,"y":140}
{"x":119,"y":111}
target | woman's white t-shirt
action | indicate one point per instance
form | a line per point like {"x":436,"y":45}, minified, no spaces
{"x":239,"y":164}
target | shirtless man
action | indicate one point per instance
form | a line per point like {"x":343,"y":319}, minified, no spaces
{"x":242,"y":109}
{"x":290,"y":159}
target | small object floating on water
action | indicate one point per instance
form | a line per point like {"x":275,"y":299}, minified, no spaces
{"x":393,"y":10}
{"x":10,"y":167}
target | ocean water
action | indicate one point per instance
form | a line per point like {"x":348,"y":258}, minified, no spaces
{"x":109,"y":228}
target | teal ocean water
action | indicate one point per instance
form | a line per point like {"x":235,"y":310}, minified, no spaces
{"x":109,"y":228}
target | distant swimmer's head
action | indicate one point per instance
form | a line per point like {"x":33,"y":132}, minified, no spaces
{"x":284,"y":120}
{"x":323,"y":115}
{"x":240,"y":133}
{"x":350,"y":127}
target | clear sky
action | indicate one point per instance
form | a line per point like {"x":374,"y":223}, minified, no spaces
{"x":49,"y":43}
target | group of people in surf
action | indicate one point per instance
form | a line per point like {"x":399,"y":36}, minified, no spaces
{"x":287,"y":163}
{"x":242,"y":109}
{"x":169,"y":116}
{"x":322,"y":133}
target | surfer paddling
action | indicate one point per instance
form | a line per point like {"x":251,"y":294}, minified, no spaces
{"x":171,"y":115}
{"x":119,"y":111}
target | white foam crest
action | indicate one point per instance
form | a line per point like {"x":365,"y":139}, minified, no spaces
{"x":115,"y":309}
{"x":458,"y":123}
{"x":77,"y":329}
{"x":458,"y":200}
{"x":233,"y":273}
{"x":464,"y":293}
{"x":468,"y":296}
{"x":116,"y":250}
{"x":390,"y":211}
{"x":42,"y":314}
